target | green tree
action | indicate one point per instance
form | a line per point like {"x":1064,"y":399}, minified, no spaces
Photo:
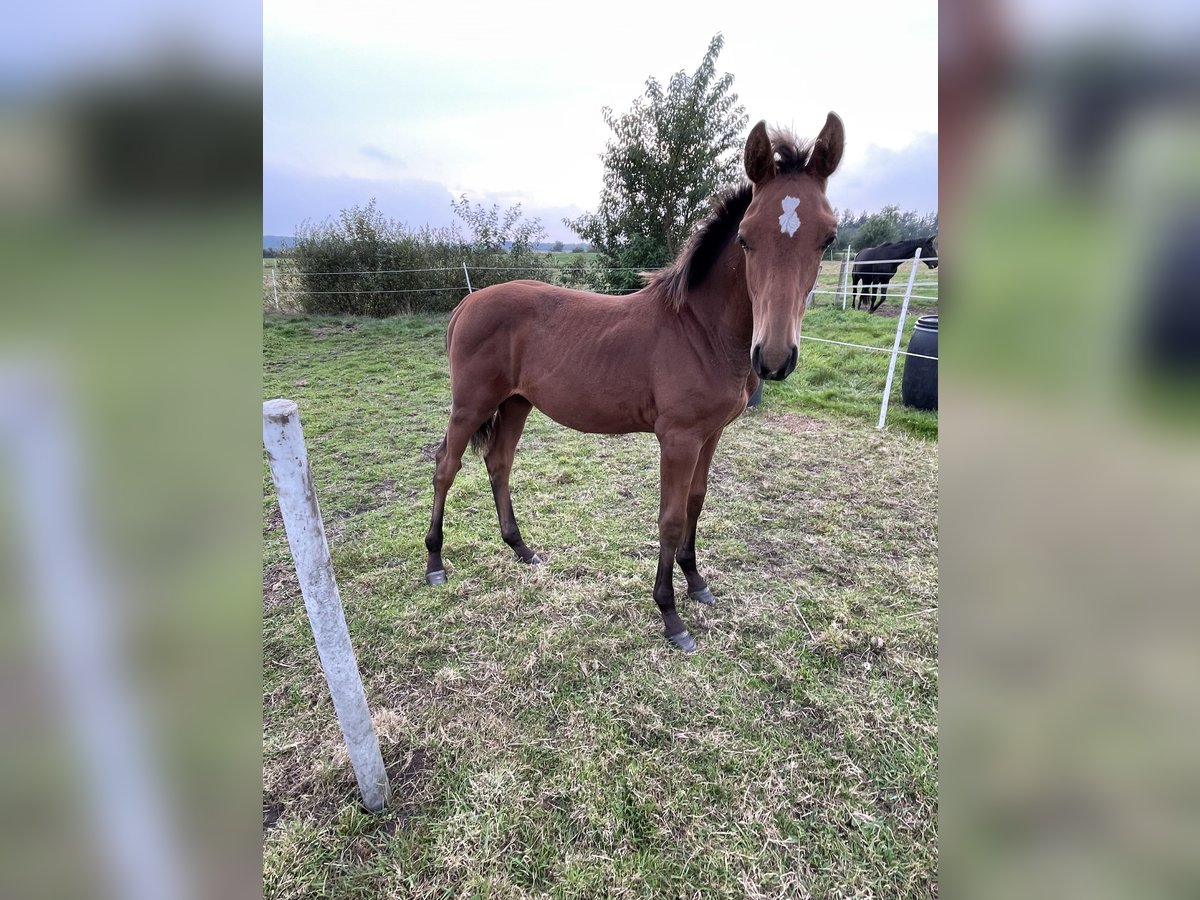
{"x":879,"y":228}
{"x":669,"y":154}
{"x":492,"y":229}
{"x":556,"y":247}
{"x":889,"y":224}
{"x":367,"y":264}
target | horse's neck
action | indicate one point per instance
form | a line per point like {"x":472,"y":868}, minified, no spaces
{"x":721,"y":305}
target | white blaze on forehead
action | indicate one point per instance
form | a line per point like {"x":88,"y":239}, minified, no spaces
{"x":789,"y":221}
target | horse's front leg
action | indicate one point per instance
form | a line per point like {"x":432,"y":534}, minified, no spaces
{"x":678,"y":455}
{"x":697,"y":587}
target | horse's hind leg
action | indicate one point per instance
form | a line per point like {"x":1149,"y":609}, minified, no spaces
{"x":499,"y":459}
{"x":697,"y":587}
{"x":882,"y":289}
{"x":449,"y":460}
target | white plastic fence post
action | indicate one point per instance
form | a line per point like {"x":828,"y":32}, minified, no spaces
{"x":470,"y":290}
{"x":887,"y":389}
{"x":284,"y":440}
{"x":274,"y":291}
{"x":846,"y":279}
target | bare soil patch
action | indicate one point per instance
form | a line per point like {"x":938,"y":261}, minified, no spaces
{"x":280,"y":587}
{"x":797,"y":423}
{"x":338,"y":328}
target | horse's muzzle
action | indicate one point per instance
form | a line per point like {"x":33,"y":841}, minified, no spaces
{"x":760,"y":368}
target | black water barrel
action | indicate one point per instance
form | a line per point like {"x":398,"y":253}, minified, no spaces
{"x":920,"y":386}
{"x":756,"y":397}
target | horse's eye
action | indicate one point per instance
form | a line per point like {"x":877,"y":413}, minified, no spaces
{"x":829,"y":242}
{"x":742,"y":242}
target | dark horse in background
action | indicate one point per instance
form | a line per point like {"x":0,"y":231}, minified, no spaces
{"x":678,"y":358}
{"x":876,"y":275}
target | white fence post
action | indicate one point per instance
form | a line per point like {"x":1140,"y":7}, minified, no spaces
{"x":846,"y":279}
{"x":284,"y":440}
{"x":470,"y":290}
{"x":887,"y":390}
{"x":274,"y":291}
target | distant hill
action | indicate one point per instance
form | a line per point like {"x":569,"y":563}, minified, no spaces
{"x":280,"y":242}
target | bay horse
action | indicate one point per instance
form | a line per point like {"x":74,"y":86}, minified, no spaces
{"x":876,"y":275}
{"x":678,"y":358}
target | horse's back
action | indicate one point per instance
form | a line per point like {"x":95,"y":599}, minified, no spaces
{"x":876,"y":261}
{"x":533,"y":308}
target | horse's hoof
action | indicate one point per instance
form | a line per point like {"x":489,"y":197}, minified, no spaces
{"x":703,"y":596}
{"x":535,"y":560}
{"x":438,"y":577}
{"x":683,"y":641}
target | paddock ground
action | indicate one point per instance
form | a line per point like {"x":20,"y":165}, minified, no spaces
{"x":542,"y":737}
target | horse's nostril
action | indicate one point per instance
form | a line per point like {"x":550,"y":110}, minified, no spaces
{"x":756,"y":358}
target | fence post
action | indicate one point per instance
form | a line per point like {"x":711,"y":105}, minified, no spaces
{"x":887,"y":390}
{"x":470,"y":290}
{"x":284,"y":440}
{"x":274,"y":291}
{"x":845,"y":279}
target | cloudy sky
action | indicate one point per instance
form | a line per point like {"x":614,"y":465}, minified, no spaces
{"x":415,"y":104}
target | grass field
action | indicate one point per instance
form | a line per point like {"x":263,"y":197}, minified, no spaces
{"x":563,"y":259}
{"x":848,"y":380}
{"x":543,"y":739}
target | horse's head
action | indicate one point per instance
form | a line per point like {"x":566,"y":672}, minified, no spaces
{"x":786,"y":228}
{"x":928,"y":253}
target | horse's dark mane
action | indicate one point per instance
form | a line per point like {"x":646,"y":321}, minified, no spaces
{"x":791,"y":153}
{"x":704,"y":247}
{"x":708,"y":241}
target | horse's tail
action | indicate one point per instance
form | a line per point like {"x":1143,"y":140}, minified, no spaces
{"x":481,"y":440}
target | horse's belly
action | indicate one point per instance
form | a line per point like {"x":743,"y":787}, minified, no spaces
{"x":613,"y":411}
{"x":592,"y":412}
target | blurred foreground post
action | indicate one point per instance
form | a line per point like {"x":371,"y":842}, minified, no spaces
{"x":72,"y":599}
{"x":288,"y":458}
{"x":887,"y":388}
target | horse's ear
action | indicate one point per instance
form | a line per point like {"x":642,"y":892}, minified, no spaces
{"x":760,"y":159}
{"x":827,"y":149}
